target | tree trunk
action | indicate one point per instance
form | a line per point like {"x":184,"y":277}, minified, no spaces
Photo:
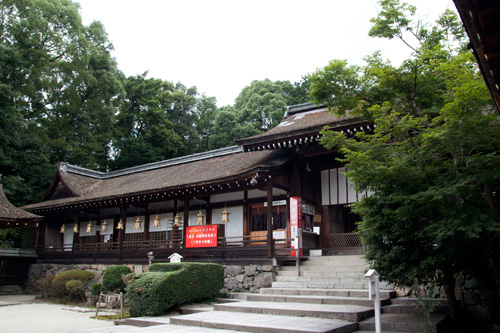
{"x":449,"y":284}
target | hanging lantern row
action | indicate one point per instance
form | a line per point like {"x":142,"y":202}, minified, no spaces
{"x":251,"y":181}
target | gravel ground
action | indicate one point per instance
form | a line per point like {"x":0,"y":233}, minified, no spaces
{"x":18,"y":314}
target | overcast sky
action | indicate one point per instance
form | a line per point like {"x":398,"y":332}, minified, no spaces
{"x":220,"y":46}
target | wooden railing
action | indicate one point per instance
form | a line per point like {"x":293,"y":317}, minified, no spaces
{"x":228,"y":247}
{"x":344,"y":240}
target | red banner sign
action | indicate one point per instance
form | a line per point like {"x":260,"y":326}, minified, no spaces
{"x":201,"y":236}
{"x":296,"y":224}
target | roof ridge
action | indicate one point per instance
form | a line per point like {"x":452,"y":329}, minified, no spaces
{"x":66,"y":167}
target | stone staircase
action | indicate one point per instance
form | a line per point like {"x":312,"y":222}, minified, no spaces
{"x":330,"y":295}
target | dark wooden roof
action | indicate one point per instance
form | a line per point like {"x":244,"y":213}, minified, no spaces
{"x":301,"y":123}
{"x":78,"y":186}
{"x":11,"y":214}
{"x":481,"y":20}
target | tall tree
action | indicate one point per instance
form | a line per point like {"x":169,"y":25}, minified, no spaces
{"x":258,"y":108}
{"x":432,"y":161}
{"x":205,"y":113}
{"x":144,"y":132}
{"x":58,"y":84}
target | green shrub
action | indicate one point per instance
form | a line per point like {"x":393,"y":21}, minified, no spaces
{"x":45,"y":286}
{"x":168,"y":286}
{"x":112,"y":278}
{"x":76,"y":289}
{"x":96,"y":289}
{"x":60,"y":280}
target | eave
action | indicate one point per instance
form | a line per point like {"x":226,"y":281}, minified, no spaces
{"x":480,"y":19}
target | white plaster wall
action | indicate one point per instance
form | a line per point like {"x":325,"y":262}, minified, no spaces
{"x":235,"y":226}
{"x":131,"y":223}
{"x":83,"y":228}
{"x":165,"y":222}
{"x":193,"y":216}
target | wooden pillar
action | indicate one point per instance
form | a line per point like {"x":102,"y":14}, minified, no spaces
{"x":97,"y":237}
{"x":295,"y":185}
{"x":39,"y":225}
{"x":123,"y":217}
{"x":246,"y":217}
{"x":288,"y":228}
{"x":208,"y":218}
{"x":146,"y":226}
{"x":76,"y":235}
{"x":184,"y":227}
{"x":270,"y":242}
{"x":121,"y":233}
{"x":325,"y":227}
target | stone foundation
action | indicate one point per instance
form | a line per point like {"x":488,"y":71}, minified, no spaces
{"x":249,"y":278}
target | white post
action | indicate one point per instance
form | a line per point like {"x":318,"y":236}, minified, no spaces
{"x":297,"y":257}
{"x":374,"y":293}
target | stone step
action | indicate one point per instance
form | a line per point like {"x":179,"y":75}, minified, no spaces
{"x":195,"y":308}
{"x":325,"y":292}
{"x":411,"y":306}
{"x":261,"y":323}
{"x":239,"y":296}
{"x":392,"y":322}
{"x":290,"y":272}
{"x":228,"y":300}
{"x":328,"y":285}
{"x":144,"y":321}
{"x":316,"y":299}
{"x":325,"y":268}
{"x":354,"y":257}
{"x":318,"y":278}
{"x":346,"y":260}
{"x":331,"y":311}
{"x":333,"y":264}
{"x":170,"y":328}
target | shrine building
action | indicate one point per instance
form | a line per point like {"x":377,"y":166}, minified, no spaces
{"x":216,"y":206}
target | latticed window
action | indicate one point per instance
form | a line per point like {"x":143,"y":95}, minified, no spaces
{"x":135,"y":237}
{"x":158,"y":236}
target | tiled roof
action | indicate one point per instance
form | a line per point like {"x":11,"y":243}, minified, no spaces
{"x":10,"y":213}
{"x":165,"y":177}
{"x":303,"y":120}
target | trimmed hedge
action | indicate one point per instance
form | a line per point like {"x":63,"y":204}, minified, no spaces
{"x":112,"y":278}
{"x":76,"y":289}
{"x":60,"y":280}
{"x":167,"y":286}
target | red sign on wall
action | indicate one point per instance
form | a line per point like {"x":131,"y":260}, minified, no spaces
{"x":201,"y":236}
{"x":296,"y":223}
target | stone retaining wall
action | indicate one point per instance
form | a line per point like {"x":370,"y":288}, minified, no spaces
{"x":249,"y":278}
